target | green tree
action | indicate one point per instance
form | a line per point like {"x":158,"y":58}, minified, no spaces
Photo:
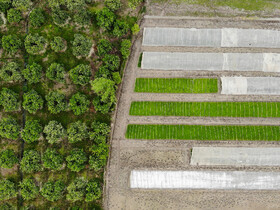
{"x":125,"y":48}
{"x":56,"y":72}
{"x":82,"y":17}
{"x":14,"y":16}
{"x":105,"y":19}
{"x":10,"y":72}
{"x":58,"y":44}
{"x":105,"y":90}
{"x":11,"y":43}
{"x":28,"y":189}
{"x":53,"y":191}
{"x":99,"y":156}
{"x":81,"y":45}
{"x":134,"y":3}
{"x":76,"y":160}
{"x":5,"y":5}
{"x":93,"y":191}
{"x":54,"y":4}
{"x":99,"y":132}
{"x":22,"y":4}
{"x":76,"y":190}
{"x":79,"y":103}
{"x":104,"y":47}
{"x":75,"y":4}
{"x":31,"y":161}
{"x":9,"y":100}
{"x":32,"y":101}
{"x":135,"y":29}
{"x":32,"y":131}
{"x":54,"y":132}
{"x":120,"y":28}
{"x":60,"y":17}
{"x":77,"y":131}
{"x":56,"y":102}
{"x":52,"y":159}
{"x":7,"y":190}
{"x":80,"y":75}
{"x":9,"y":128}
{"x":36,"y":17}
{"x":103,"y":71}
{"x":8,"y":159}
{"x":113,"y":4}
{"x":32,"y":73}
{"x":35,"y":44}
{"x":112,"y":62}
{"x":116,"y":77}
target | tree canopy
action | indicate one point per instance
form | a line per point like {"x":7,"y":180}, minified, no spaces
{"x":32,"y":73}
{"x":31,"y":161}
{"x":77,"y":131}
{"x":32,"y":131}
{"x":56,"y":102}
{"x":76,"y":160}
{"x":80,"y":75}
{"x":32,"y":101}
{"x":9,"y":100}
{"x":8,"y":159}
{"x":7,"y":190}
{"x":54,"y":132}
{"x":9,"y":128}
{"x":28,"y":189}
{"x":53,"y":190}
{"x":52,"y":159}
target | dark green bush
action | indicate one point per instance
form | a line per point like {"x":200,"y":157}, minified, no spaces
{"x":10,"y":72}
{"x":79,"y":103}
{"x":112,"y":62}
{"x":52,"y":190}
{"x":22,"y":4}
{"x":36,"y":17}
{"x":28,"y":189}
{"x":9,"y":128}
{"x":32,"y":131}
{"x":76,"y":160}
{"x":99,"y":132}
{"x":56,"y":102}
{"x":76,"y":190}
{"x":58,"y":44}
{"x":80,"y":75}
{"x":104,"y":72}
{"x":52,"y":159}
{"x":99,"y":156}
{"x":11,"y":43}
{"x":35,"y":44}
{"x":14,"y":16}
{"x":31,"y":161}
{"x":82,"y":17}
{"x":81,"y":46}
{"x":120,"y":28}
{"x":104,"y":47}
{"x":54,"y":132}
{"x":8,"y":159}
{"x":32,"y":73}
{"x":105,"y":19}
{"x":9,"y":100}
{"x":77,"y":131}
{"x":32,"y":101}
{"x":93,"y":191}
{"x":125,"y":48}
{"x":60,"y":17}
{"x":7,"y":190}
{"x":56,"y":72}
{"x":5,"y":5}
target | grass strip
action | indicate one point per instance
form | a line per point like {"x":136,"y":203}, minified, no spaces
{"x":203,"y":132}
{"x":176,"y":85}
{"x":205,"y":109}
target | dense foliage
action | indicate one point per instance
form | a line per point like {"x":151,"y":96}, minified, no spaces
{"x":56,"y":102}
{"x":32,"y":101}
{"x":112,"y":62}
{"x":93,"y":191}
{"x":80,"y":75}
{"x":36,"y":17}
{"x":79,"y":103}
{"x":31,"y":161}
{"x":8,"y":159}
{"x":32,"y":73}
{"x":60,"y":17}
{"x":7,"y":190}
{"x":32,"y":131}
{"x":52,"y":159}
{"x":121,"y":28}
{"x":99,"y":156}
{"x":104,"y":47}
{"x":76,"y":160}
{"x":99,"y":132}
{"x":11,"y":43}
{"x":77,"y":131}
{"x":105,"y":19}
{"x":9,"y":128}
{"x":53,"y":190}
{"x":22,"y":4}
{"x":54,"y":132}
{"x":76,"y":190}
{"x":28,"y":189}
{"x":113,"y":4}
{"x":10,"y":72}
{"x":125,"y":48}
{"x":58,"y":44}
{"x":81,"y":46}
{"x":35,"y":44}
{"x":9,"y":100}
{"x":135,"y":29}
{"x":82,"y":17}
{"x":56,"y":72}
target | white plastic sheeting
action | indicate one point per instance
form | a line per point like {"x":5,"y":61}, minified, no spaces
{"x":224,"y":180}
{"x":250,"y":85}
{"x":267,"y":62}
{"x":235,"y":156}
{"x":225,"y":37}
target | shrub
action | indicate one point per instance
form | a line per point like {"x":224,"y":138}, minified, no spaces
{"x":60,"y":17}
{"x":31,"y":131}
{"x":58,"y":44}
{"x":32,"y":73}
{"x":8,"y":159}
{"x":100,"y":132}
{"x":82,"y":17}
{"x":14,"y":16}
{"x":9,"y":100}
{"x":54,"y":4}
{"x":32,"y":101}
{"x":77,"y":131}
{"x":120,"y":28}
{"x":36,"y":17}
{"x":76,"y":190}
{"x":116,"y":77}
{"x":93,"y":191}
{"x":113,"y":4}
{"x":105,"y":19}
{"x":28,"y":189}
{"x":56,"y":102}
{"x":81,"y":45}
{"x":11,"y":43}
{"x":10,"y":72}
{"x":54,"y":132}
{"x":125,"y":48}
{"x":79,"y":103}
{"x":99,"y":156}
{"x":112,"y":62}
{"x":53,"y":191}
{"x":5,"y":5}
{"x":104,"y":47}
{"x":35,"y":44}
{"x":76,"y":160}
{"x":105,"y":89}
{"x":31,"y":161}
{"x":80,"y":75}
{"x":56,"y":72}
{"x":134,"y":3}
{"x":9,"y":128}
{"x":7,"y":190}
{"x":22,"y":4}
{"x":103,"y":71}
{"x":52,"y":159}
{"x":135,"y":29}
{"x":75,"y":4}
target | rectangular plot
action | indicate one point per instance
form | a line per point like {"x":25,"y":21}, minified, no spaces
{"x":223,"y":180}
{"x":251,"y":85}
{"x":236,"y":156}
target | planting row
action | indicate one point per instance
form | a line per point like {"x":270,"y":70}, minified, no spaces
{"x":176,"y":85}
{"x":203,"y":132}
{"x":206,"y":109}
